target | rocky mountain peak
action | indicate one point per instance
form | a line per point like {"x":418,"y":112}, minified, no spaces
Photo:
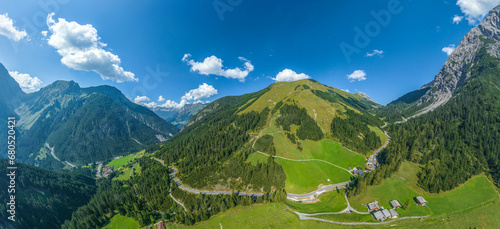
{"x":365,"y":96}
{"x":457,"y":68}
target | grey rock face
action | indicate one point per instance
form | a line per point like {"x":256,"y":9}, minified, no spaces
{"x":458,"y":66}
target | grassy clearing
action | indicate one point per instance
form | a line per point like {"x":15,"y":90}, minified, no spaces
{"x":328,"y":202}
{"x":127,"y":172}
{"x":332,"y":152}
{"x":273,"y":216}
{"x":402,"y":186}
{"x":306,"y":176}
{"x":256,"y":157}
{"x":117,"y":163}
{"x":380,"y":134}
{"x":260,"y":216}
{"x":122,"y":222}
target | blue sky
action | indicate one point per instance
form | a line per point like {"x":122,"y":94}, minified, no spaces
{"x":259,"y":38}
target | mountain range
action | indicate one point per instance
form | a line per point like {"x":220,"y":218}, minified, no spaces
{"x":454,"y":73}
{"x":179,"y":117}
{"x":63,"y":124}
{"x":290,"y":138}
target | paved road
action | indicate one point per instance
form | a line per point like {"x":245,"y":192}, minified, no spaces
{"x":303,"y":216}
{"x":319,"y":191}
{"x":55,"y":157}
{"x":98,"y":173}
{"x":373,"y":158}
{"x":178,"y":182}
{"x":178,"y":202}
{"x":351,"y":208}
{"x":313,"y":195}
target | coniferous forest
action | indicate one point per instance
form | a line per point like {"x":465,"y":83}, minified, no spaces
{"x":453,"y":143}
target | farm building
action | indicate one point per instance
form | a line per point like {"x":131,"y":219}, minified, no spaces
{"x":421,"y":201}
{"x":384,"y":214}
{"x":373,"y":206}
{"x":378,"y":215}
{"x":394,"y":214}
{"x":395,"y":204}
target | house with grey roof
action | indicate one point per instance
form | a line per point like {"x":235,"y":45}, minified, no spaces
{"x":394,"y":214}
{"x":421,"y":201}
{"x":373,"y":206}
{"x":395,"y":204}
{"x":378,"y":215}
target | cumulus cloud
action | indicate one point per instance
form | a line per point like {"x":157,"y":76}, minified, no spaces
{"x":449,"y":49}
{"x":375,"y":52}
{"x":457,"y":19}
{"x":8,"y":29}
{"x":358,"y":75}
{"x":213,"y":66}
{"x":27,"y":83}
{"x":81,"y":49}
{"x":202,"y":92}
{"x":289,"y":75}
{"x":476,"y":10}
{"x":193,"y":96}
{"x":346,"y":90}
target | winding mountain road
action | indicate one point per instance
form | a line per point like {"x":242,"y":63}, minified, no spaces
{"x":206,"y":192}
{"x":307,"y":197}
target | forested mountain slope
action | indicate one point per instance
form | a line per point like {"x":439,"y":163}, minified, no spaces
{"x":44,"y":199}
{"x":214,"y":148}
{"x":453,"y":75}
{"x":459,"y":139}
{"x":81,"y":125}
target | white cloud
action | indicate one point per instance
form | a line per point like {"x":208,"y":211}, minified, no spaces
{"x":213,"y":66}
{"x":457,"y":19}
{"x":289,"y":75}
{"x":141,"y":99}
{"x":449,"y":49}
{"x":27,"y":83}
{"x":202,"y":92}
{"x":346,"y":90}
{"x":169,"y":104}
{"x":476,"y":10}
{"x":8,"y":29}
{"x":145,"y":101}
{"x":358,"y":75}
{"x":375,"y":52}
{"x":81,"y":49}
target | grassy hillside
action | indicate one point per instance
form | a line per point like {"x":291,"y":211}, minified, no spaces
{"x":312,"y":164}
{"x":328,"y":202}
{"x":122,"y":222}
{"x":274,"y":216}
{"x":119,"y":162}
{"x":303,"y":93}
{"x":475,"y":205}
{"x":402,"y":186}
